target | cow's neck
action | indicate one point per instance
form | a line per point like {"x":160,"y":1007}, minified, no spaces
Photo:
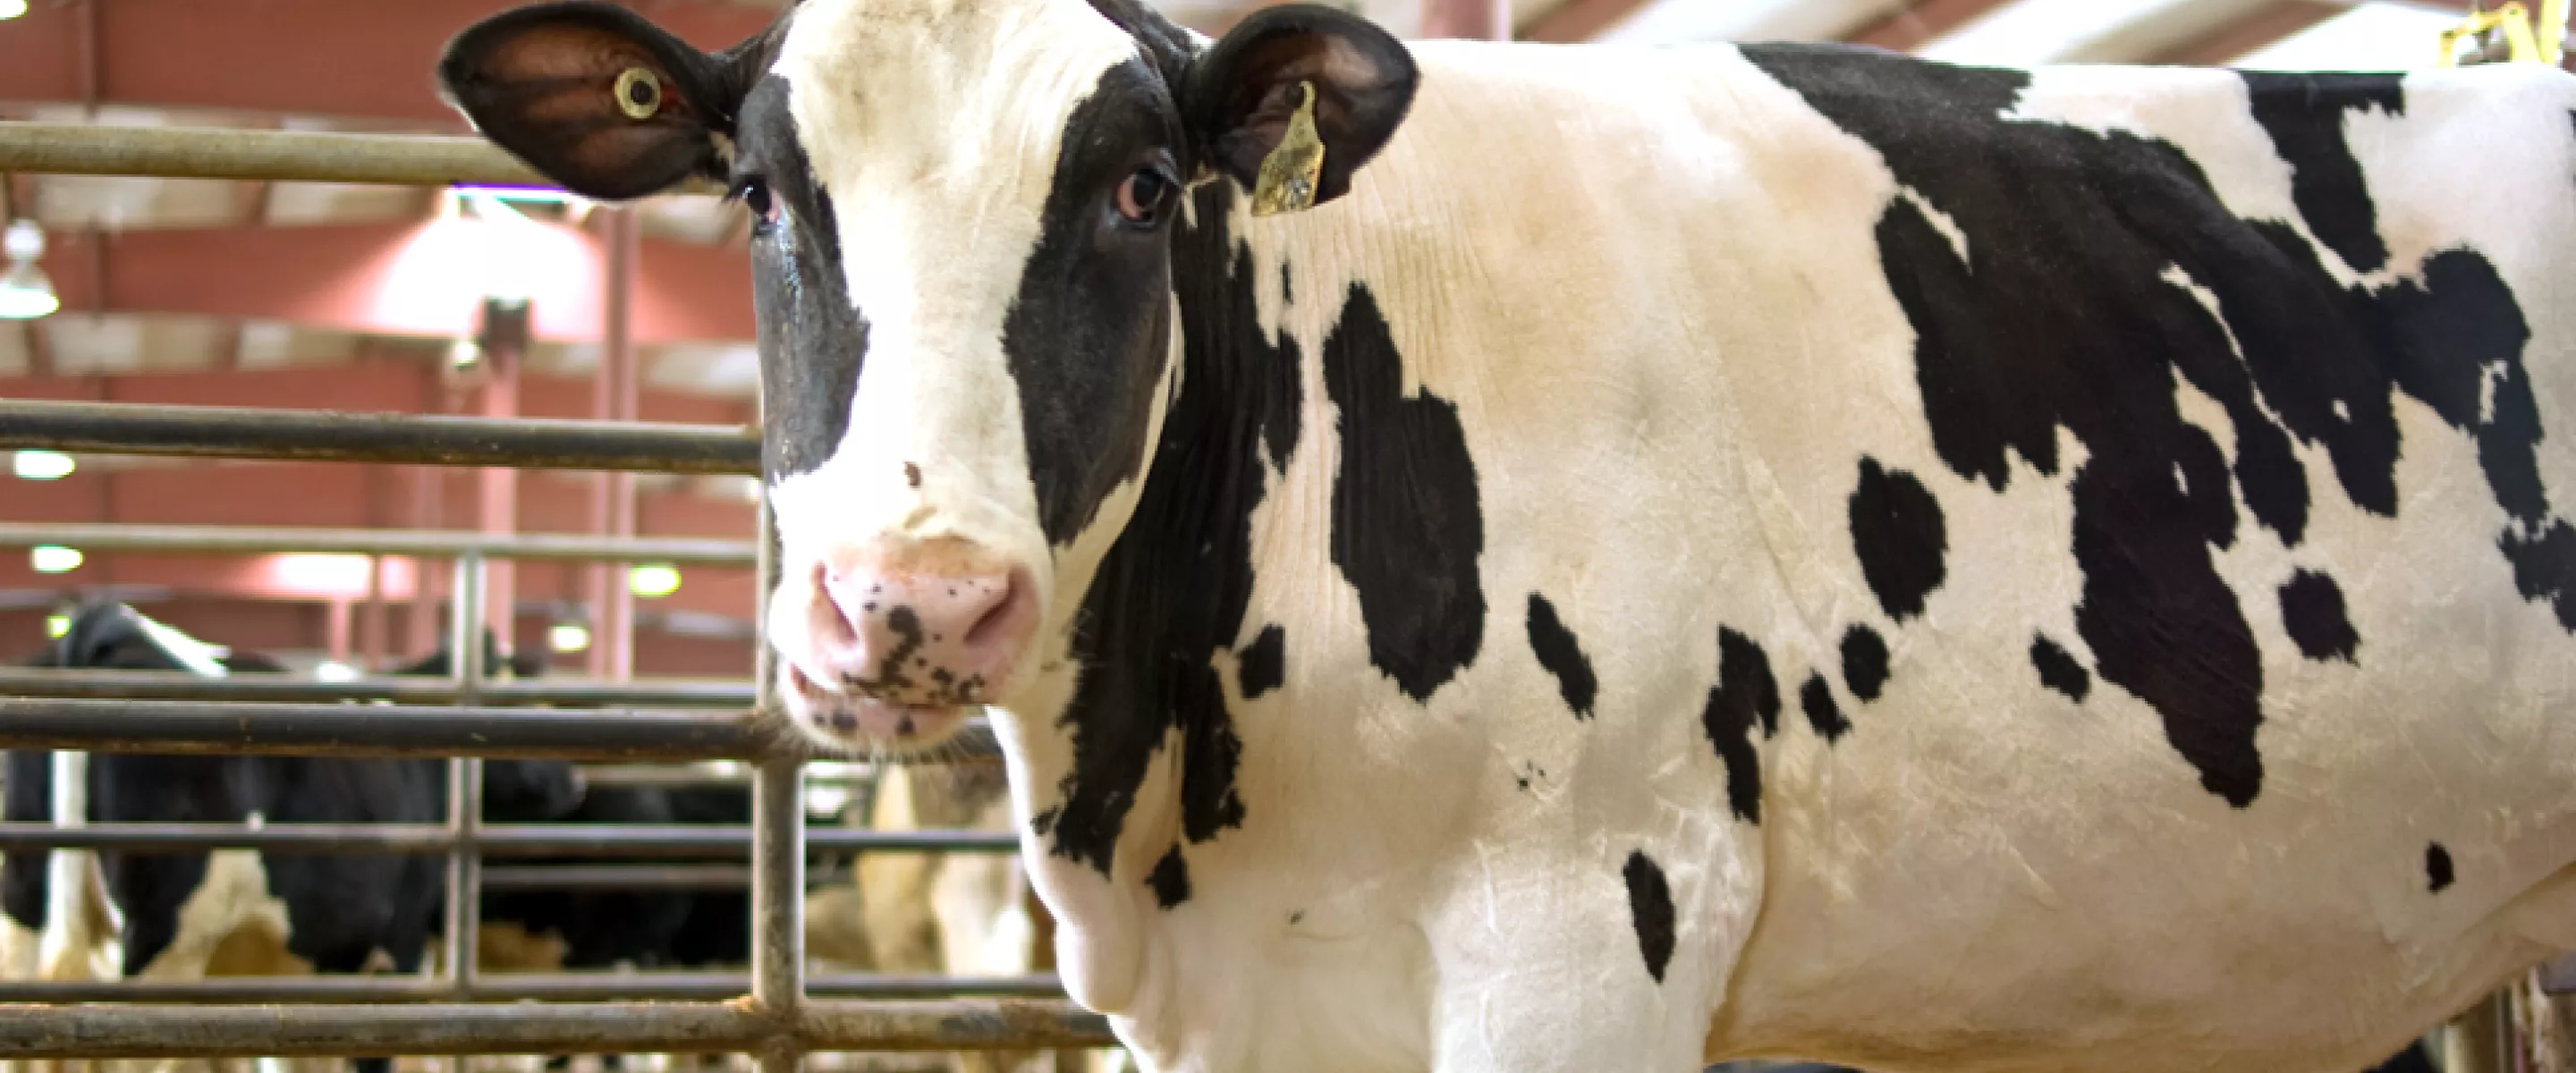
{"x":1169,"y":596}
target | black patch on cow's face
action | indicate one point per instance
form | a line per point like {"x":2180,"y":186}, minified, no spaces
{"x":2437,"y":867}
{"x":2067,"y":320}
{"x":1264,"y":662}
{"x":1557,"y":651}
{"x":1823,"y":715}
{"x":1087,"y":334}
{"x":1745,"y":695}
{"x":1650,"y":911}
{"x":1897,"y":531}
{"x":2058,"y":669}
{"x":1170,"y":879}
{"x":1864,"y":661}
{"x":2305,"y":116}
{"x":2312,"y":609}
{"x":1174,"y":589}
{"x":1407,"y":524}
{"x":812,"y":342}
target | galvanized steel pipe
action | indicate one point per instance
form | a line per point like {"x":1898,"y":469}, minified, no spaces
{"x":331,"y":436}
{"x":419,"y":543}
{"x":496,"y":839}
{"x":271,"y":155}
{"x":42,"y":1032}
{"x":180,"y":685}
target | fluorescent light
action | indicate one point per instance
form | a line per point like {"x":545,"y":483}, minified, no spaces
{"x":43,"y":465}
{"x":335,"y":671}
{"x":10,"y":9}
{"x":568,"y":637}
{"x":530,"y":194}
{"x":53,"y":559}
{"x":26,"y":293}
{"x":57,"y":625}
{"x":653,"y":580}
{"x":323,"y":572}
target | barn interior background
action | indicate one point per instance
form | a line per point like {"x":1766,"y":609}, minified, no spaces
{"x":466,"y":301}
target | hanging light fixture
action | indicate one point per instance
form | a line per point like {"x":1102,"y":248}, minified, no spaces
{"x":25,"y":292}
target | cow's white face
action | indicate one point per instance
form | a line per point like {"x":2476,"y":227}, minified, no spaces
{"x":963,"y":261}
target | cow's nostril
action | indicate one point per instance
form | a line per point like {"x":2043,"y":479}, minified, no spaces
{"x":997,"y":623}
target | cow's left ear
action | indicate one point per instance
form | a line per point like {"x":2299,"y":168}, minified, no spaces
{"x":1243,"y":95}
{"x":593,"y":96}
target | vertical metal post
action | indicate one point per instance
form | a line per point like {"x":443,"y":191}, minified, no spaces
{"x":339,"y":629}
{"x":374,"y":624}
{"x":464,"y":916}
{"x":420,"y":628}
{"x":1483,"y":20}
{"x":66,"y":870}
{"x":2480,"y":1039}
{"x":777,"y":851}
{"x":613,"y":398}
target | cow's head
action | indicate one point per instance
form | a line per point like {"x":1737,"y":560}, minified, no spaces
{"x":965,"y":216}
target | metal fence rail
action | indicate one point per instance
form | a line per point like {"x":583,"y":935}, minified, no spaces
{"x":466,"y":1028}
{"x":255,"y":686}
{"x":522,"y":987}
{"x":409,"y":439}
{"x":276,"y":155}
{"x":419,"y":543}
{"x":223,"y":727}
{"x":495,"y":839}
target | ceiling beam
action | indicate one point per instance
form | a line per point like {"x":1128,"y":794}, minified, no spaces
{"x":1921,"y":22}
{"x":2263,"y":27}
{"x":269,"y":57}
{"x":1579,"y":20}
{"x":407,"y":279}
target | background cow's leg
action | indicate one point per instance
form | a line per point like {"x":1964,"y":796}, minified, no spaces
{"x":2475,"y":1042}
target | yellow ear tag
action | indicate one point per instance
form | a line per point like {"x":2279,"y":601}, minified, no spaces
{"x":1291,"y":173}
{"x":638,"y":93}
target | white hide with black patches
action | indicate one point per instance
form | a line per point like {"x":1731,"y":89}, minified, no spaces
{"x":1655,"y":287}
{"x":1649,"y":282}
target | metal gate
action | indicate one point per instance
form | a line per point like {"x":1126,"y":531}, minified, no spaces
{"x":774,"y":1014}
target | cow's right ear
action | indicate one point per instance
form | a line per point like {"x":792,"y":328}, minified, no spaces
{"x":592,"y":96}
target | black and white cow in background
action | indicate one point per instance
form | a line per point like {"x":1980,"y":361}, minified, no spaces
{"x":239,"y":912}
{"x":1683,"y":553}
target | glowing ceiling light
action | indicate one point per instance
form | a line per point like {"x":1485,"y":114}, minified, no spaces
{"x":53,"y":559}
{"x":568,"y":637}
{"x":44,"y":465}
{"x":10,"y":9}
{"x":335,"y":671}
{"x":26,"y":293}
{"x":653,"y":580}
{"x":534,"y":195}
{"x":57,"y":625}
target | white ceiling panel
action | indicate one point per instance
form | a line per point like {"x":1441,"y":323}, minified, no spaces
{"x":1672,"y":21}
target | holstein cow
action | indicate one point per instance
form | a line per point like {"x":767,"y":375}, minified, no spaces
{"x":229,"y":911}
{"x":1686,"y":553}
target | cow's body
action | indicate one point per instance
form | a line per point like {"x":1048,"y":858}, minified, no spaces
{"x":1698,"y":553}
{"x":1656,"y":319}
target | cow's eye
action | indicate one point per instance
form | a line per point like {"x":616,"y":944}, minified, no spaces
{"x":753,"y":192}
{"x":1142,"y":194}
